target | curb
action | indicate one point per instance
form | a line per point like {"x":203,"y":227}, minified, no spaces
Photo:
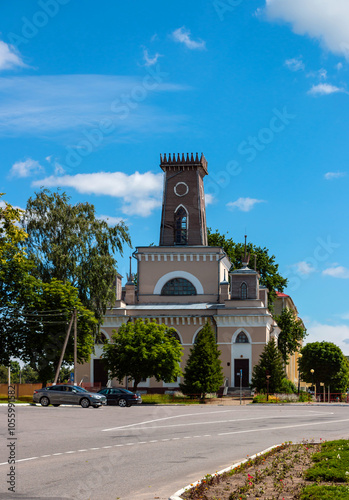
{"x":177,"y":495}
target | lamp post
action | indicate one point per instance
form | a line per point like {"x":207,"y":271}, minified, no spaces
{"x":299,"y":374}
{"x":312,"y":381}
{"x":239,"y":374}
{"x":268,"y":377}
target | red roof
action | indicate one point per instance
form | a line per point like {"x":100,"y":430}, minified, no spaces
{"x":280,"y":294}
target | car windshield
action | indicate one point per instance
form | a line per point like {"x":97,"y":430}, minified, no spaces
{"x":81,"y":389}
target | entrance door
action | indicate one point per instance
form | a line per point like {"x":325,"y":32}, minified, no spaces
{"x":241,"y":364}
{"x":100,"y":374}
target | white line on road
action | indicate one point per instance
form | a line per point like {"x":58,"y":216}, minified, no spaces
{"x":165,"y":418}
{"x":214,"y":422}
{"x":282,"y":427}
{"x":196,"y":436}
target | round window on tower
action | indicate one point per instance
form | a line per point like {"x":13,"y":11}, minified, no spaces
{"x":181,"y":189}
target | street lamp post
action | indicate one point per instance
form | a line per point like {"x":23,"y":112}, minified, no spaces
{"x":268,"y":377}
{"x":299,"y":373}
{"x":239,"y":374}
{"x":312,"y":381}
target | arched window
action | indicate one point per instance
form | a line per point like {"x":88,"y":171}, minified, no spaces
{"x":181,"y":226}
{"x":242,"y":338}
{"x":101,"y":339}
{"x":176,"y":336}
{"x":243,"y":291}
{"x":178,"y":286}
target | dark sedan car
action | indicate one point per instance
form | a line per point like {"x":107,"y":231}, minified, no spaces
{"x":121,"y":397}
{"x":68,"y":395}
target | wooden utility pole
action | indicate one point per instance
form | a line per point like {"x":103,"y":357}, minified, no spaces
{"x":64,"y":348}
{"x":75,"y":344}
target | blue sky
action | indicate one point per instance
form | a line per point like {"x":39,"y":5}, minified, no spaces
{"x":91,"y":95}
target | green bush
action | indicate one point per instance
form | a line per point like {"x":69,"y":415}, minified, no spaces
{"x":288,"y":387}
{"x":317,"y":492}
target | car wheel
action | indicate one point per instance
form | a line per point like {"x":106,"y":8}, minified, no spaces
{"x":85,"y":403}
{"x":122,"y":403}
{"x":55,"y":405}
{"x":44,"y":401}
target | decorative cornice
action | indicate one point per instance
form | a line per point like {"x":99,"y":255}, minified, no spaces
{"x":241,"y":321}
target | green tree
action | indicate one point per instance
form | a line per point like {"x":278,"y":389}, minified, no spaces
{"x":292,"y":333}
{"x":203,"y":372}
{"x":29,"y":375}
{"x":329,"y":364}
{"x":141,"y":350}
{"x":68,"y":242}
{"x":266,"y":266}
{"x":15,"y":282}
{"x":270,"y":363}
{"x":46,"y":318}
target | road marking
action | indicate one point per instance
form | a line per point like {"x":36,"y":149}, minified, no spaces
{"x":282,"y":427}
{"x":165,"y":418}
{"x":105,"y":447}
{"x":188,"y":437}
{"x":214,"y":422}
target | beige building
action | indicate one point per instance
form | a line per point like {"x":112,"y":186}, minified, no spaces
{"x":183,"y":283}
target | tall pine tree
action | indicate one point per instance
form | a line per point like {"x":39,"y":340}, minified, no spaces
{"x":203,"y":372}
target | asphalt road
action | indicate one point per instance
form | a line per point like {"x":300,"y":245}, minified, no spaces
{"x":145,"y":452}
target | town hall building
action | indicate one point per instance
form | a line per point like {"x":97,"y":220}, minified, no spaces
{"x":183,"y":283}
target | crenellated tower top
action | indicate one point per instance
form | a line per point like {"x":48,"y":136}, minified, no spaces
{"x":183,"y":160}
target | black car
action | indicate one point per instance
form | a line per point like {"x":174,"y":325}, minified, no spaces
{"x":121,"y":397}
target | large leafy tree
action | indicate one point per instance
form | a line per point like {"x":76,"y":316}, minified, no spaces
{"x":141,"y":350}
{"x":68,"y":242}
{"x":45,"y":320}
{"x":270,"y":363}
{"x":265,"y":263}
{"x":203,"y":372}
{"x":292,"y":333}
{"x":15,"y":282}
{"x":329,"y":364}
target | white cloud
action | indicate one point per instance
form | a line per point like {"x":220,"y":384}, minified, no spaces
{"x":140,"y":193}
{"x":337,"y":271}
{"x":244,"y":204}
{"x":72,"y":104}
{"x":304,"y":268}
{"x":148,"y":60}
{"x":295,"y":64}
{"x":334,"y":175}
{"x":9,"y":57}
{"x":338,"y":334}
{"x":325,"y":89}
{"x":345,"y":315}
{"x":182,"y":35}
{"x":111,"y":221}
{"x":324,"y":20}
{"x":339,"y":66}
{"x":26,"y":168}
{"x":209,"y":199}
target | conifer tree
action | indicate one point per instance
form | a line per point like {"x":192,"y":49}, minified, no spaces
{"x":270,"y":363}
{"x":203,"y":372}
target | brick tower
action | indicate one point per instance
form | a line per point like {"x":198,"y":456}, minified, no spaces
{"x":183,"y":220}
